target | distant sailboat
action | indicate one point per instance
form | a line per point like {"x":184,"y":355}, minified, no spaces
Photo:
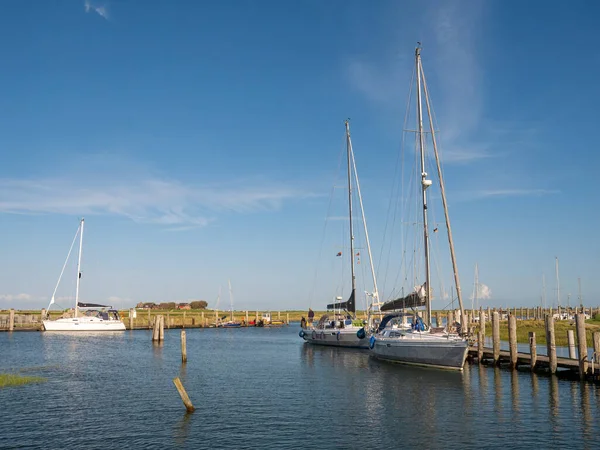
{"x":231,"y":323}
{"x":421,"y":344}
{"x":106,"y":319}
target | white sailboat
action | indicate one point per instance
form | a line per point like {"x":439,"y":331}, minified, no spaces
{"x":343,"y":328}
{"x":231,"y":323}
{"x":422,"y":344}
{"x":105,"y":319}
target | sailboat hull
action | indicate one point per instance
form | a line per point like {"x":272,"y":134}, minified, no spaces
{"x":439,"y":352}
{"x":83,"y":324}
{"x":336,"y":338}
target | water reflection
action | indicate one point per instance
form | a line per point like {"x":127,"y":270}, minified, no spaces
{"x":514,"y":390}
{"x":181,"y":430}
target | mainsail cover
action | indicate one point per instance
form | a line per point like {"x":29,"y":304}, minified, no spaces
{"x":412,"y":300}
{"x":349,"y":305}
{"x":92,"y":305}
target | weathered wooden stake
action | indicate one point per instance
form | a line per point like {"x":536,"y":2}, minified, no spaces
{"x":168,"y":320}
{"x":551,"y":343}
{"x":155,"y":335}
{"x":11,"y":320}
{"x":496,"y":336}
{"x":183,"y":347}
{"x":149,"y":323}
{"x":183,"y":323}
{"x":582,"y":345}
{"x":482,"y":321}
{"x":571,"y":341}
{"x":43,"y":314}
{"x":287,"y":318}
{"x":480,"y":347}
{"x":532,"y":350}
{"x":186,"y":400}
{"x":596,"y":338}
{"x":256,"y":317}
{"x":247,"y":318}
{"x":203,"y":320}
{"x":131,"y":318}
{"x":512,"y":340}
{"x":161,"y":328}
{"x":489,"y":314}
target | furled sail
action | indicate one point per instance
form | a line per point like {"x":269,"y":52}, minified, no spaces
{"x":349,"y":305}
{"x":412,"y":300}
{"x":92,"y":305}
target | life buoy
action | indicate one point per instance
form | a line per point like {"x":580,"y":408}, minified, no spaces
{"x":361,"y":334}
{"x":301,"y":334}
{"x":372,"y":342}
{"x":314,"y":334}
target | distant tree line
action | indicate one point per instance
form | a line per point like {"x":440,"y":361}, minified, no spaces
{"x":196,"y":304}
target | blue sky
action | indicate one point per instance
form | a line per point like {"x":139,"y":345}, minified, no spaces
{"x":201,"y":141}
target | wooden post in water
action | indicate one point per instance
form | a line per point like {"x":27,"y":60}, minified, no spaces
{"x":43,"y":314}
{"x":131,"y":318}
{"x":512,"y":341}
{"x":203,"y":319}
{"x":521,"y":317}
{"x":155,"y":335}
{"x":11,"y":320}
{"x":247,"y":318}
{"x":149,"y":323}
{"x":596,"y":338}
{"x":551,"y":343}
{"x":571,"y":341}
{"x":256,"y":317}
{"x":450,"y":320}
{"x":278,"y":315}
{"x":480,"y":347}
{"x":581,"y":345}
{"x":168,"y":320}
{"x":496,"y":336}
{"x":489,"y":314}
{"x":532,"y":350}
{"x":183,"y":347}
{"x":287,"y":318}
{"x":183,"y":323}
{"x":482,"y":319}
{"x":186,"y":400}
{"x":161,"y":328}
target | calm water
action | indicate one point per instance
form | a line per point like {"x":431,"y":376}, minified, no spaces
{"x":265,"y":388}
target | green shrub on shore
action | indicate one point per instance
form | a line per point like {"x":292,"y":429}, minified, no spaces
{"x":9,"y":379}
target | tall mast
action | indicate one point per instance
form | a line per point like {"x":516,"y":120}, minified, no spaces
{"x":579,"y":288}
{"x":557,"y":284}
{"x":375,"y":295}
{"x":476,"y":288}
{"x":349,"y":155}
{"x":230,"y":299}
{"x":79,"y":268}
{"x":425,"y":183}
{"x":444,"y":201}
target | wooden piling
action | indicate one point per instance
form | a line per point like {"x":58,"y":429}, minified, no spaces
{"x":571,"y":342}
{"x":512,"y":340}
{"x":186,"y":400}
{"x":450,"y":320}
{"x":149,"y":322}
{"x":203,"y":320}
{"x":131,"y":318}
{"x":551,"y":343}
{"x":532,"y":350}
{"x":482,"y":321}
{"x":155,"y":335}
{"x":480,"y":346}
{"x":183,"y":323}
{"x":247,"y":318}
{"x":489,"y":314}
{"x":183,"y":347}
{"x":43,"y":316}
{"x":168,"y":321}
{"x":11,"y":320}
{"x":287,"y":318}
{"x":161,"y":328}
{"x":496,"y":336}
{"x":596,"y":338}
{"x":581,"y":345}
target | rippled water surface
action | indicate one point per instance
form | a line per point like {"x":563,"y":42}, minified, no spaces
{"x":265,"y":388}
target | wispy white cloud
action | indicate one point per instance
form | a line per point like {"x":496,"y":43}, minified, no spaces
{"x":483,"y":292}
{"x":515,"y":193}
{"x":101,"y":10}
{"x":146,"y":198}
{"x":15,"y":297}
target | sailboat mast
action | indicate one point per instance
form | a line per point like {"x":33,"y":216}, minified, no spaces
{"x":476,"y":292}
{"x":79,"y":268}
{"x":230,"y":299}
{"x":444,"y":201}
{"x":349,"y":155}
{"x":579,"y":289}
{"x":425,"y":183}
{"x":557,"y":284}
{"x":375,"y":295}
